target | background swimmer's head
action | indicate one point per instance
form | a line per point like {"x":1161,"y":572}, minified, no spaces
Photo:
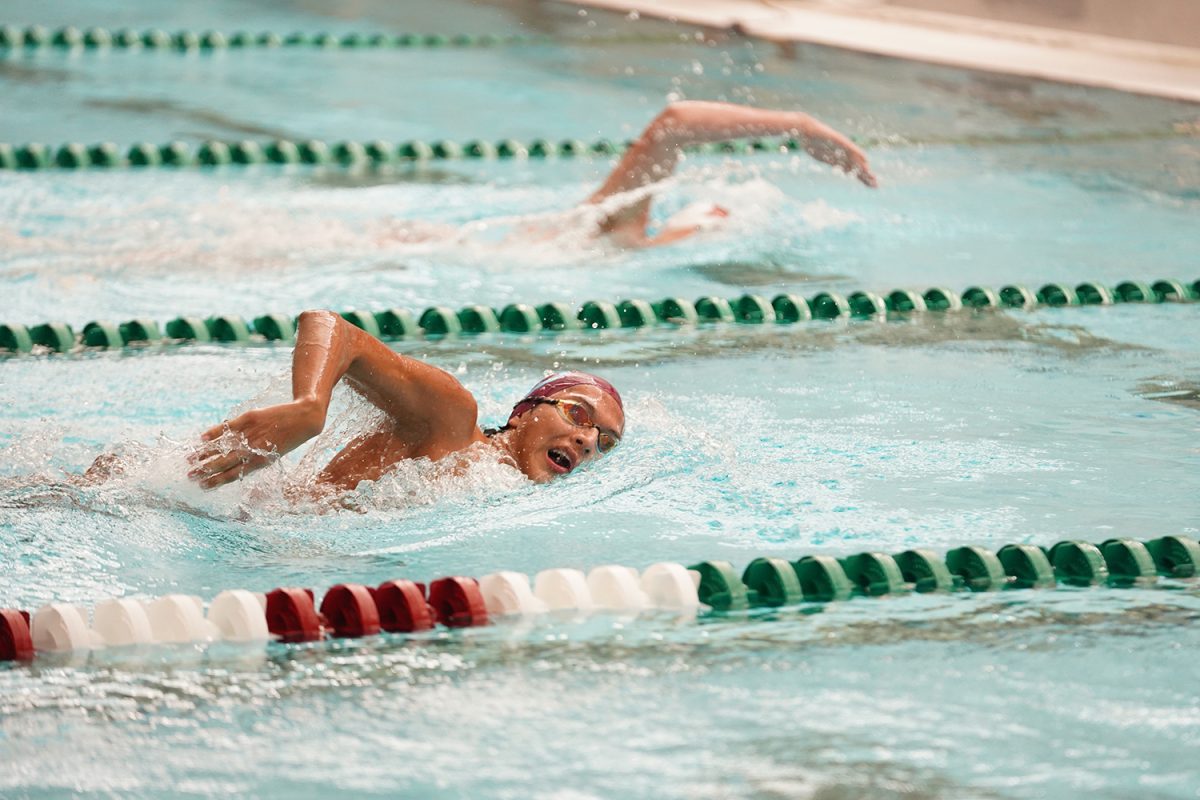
{"x":565,"y":421}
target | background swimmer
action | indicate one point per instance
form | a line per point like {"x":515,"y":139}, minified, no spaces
{"x":620,"y":209}
{"x":563,"y":423}
{"x":656,"y":153}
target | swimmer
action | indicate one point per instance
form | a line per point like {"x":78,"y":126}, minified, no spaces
{"x":654,"y":157}
{"x":656,"y":153}
{"x":563,"y":423}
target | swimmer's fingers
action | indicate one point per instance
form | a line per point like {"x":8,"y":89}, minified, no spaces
{"x":222,"y":472}
{"x":864,"y":175}
{"x":221,"y":478}
{"x":214,"y":465}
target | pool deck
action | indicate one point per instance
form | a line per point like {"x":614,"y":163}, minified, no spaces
{"x":961,"y":41}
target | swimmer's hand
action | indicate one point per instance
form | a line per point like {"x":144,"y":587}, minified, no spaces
{"x":253,"y":440}
{"x":825,"y":144}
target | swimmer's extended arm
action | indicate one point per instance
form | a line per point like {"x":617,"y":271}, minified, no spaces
{"x":423,"y":400}
{"x":655,"y":154}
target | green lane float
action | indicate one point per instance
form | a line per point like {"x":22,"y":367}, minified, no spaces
{"x":636,"y":313}
{"x":522,"y":318}
{"x":925,"y":571}
{"x":791,"y":308}
{"x":980,"y":297}
{"x":597,"y":314}
{"x":1170,"y":290}
{"x":1017,"y":296}
{"x":1175,"y":556}
{"x":874,"y":573}
{"x":720,"y":587}
{"x":188,"y":329}
{"x":228,"y":328}
{"x":939,"y":299}
{"x":678,"y":311}
{"x":397,"y":322}
{"x":1056,"y":294}
{"x":558,"y":317}
{"x":829,"y":305}
{"x":1135,"y":292}
{"x":753,"y":310}
{"x":1129,"y":562}
{"x":440,"y":321}
{"x":822,"y":579}
{"x":905,"y":300}
{"x":979,"y":570}
{"x":176,"y":154}
{"x":15,"y":339}
{"x":1093,"y":294}
{"x":478,"y":319}
{"x":56,"y":336}
{"x":1078,"y":563}
{"x":1027,"y":566}
{"x":276,"y":327}
{"x":865,"y":305}
{"x":772,"y":582}
{"x":364,"y":320}
{"x":714,"y":309}
{"x":100,"y":333}
{"x":139,"y":331}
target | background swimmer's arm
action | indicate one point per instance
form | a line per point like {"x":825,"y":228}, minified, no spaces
{"x":424,"y":401}
{"x":655,"y":154}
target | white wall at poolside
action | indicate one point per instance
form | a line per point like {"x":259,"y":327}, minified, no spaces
{"x":973,"y":42}
{"x":1174,"y":22}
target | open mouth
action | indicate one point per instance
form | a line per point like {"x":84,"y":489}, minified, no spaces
{"x":559,"y":460}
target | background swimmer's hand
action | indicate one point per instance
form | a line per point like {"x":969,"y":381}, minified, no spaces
{"x":838,"y":151}
{"x":251,"y":441}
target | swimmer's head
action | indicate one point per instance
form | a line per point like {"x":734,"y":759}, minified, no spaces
{"x":699,"y":216}
{"x":565,"y":421}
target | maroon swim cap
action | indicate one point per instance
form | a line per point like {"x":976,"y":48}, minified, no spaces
{"x":561,"y":381}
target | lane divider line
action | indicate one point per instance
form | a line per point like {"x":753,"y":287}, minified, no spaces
{"x":551,"y":318}
{"x":69,"y":37}
{"x":378,"y":153}
{"x":348,"y":610}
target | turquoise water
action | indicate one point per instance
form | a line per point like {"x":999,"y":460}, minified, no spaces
{"x":743,"y":441}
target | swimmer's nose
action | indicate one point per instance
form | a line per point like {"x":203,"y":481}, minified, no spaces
{"x":587,"y":440}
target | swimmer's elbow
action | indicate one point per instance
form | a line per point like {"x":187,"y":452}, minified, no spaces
{"x":321,"y":323}
{"x":316,"y":316}
{"x":673,"y":117}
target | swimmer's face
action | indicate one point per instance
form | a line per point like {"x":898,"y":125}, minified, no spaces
{"x":545,"y":443}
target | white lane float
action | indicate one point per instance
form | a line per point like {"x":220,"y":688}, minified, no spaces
{"x":239,"y":616}
{"x":121,"y":621}
{"x":179,"y":618}
{"x":563,"y":589}
{"x":62,"y":627}
{"x":671,"y":586}
{"x":509,"y":593}
{"x":616,"y":588}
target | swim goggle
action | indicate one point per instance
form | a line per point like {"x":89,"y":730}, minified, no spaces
{"x":580,"y":416}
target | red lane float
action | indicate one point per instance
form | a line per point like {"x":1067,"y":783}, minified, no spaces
{"x":16,"y":643}
{"x":292,"y":615}
{"x":349,"y":610}
{"x":457,"y":602}
{"x":402,"y":607}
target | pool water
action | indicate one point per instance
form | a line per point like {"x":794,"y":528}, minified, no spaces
{"x":980,"y":428}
